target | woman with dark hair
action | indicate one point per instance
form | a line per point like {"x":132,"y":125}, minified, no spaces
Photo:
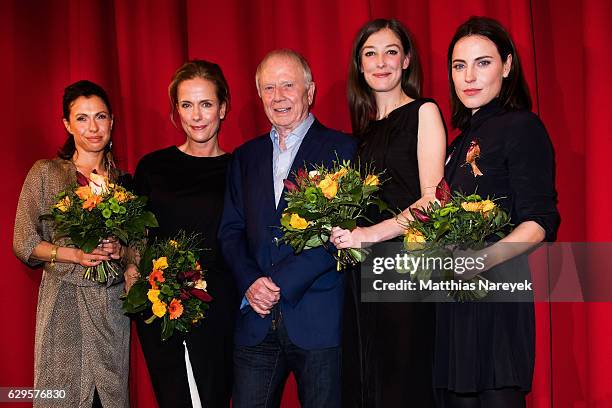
{"x":402,"y":134}
{"x":185,"y":185}
{"x":77,"y":348}
{"x":484,"y":354}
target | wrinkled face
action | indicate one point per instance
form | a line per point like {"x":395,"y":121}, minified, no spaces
{"x":478,"y":71}
{"x":199,"y":109}
{"x":383,"y":61}
{"x":89,"y":123}
{"x":284,"y":93}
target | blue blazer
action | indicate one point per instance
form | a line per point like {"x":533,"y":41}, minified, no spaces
{"x":312,"y":290}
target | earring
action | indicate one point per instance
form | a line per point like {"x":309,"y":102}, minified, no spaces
{"x":110,"y":145}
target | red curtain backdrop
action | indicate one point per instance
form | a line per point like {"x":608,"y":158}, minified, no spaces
{"x":133,"y":47}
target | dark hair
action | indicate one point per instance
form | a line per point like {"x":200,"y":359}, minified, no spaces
{"x":514,"y":94}
{"x":362,"y":104}
{"x":199,"y":69}
{"x":72,"y":92}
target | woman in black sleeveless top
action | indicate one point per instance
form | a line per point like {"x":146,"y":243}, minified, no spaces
{"x":388,"y":347}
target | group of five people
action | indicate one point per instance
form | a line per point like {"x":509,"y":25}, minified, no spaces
{"x":274,"y":312}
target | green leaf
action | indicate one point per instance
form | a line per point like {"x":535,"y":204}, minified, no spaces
{"x":90,"y":243}
{"x":285,"y":219}
{"x":182,"y":326}
{"x":146,"y":261}
{"x":313,"y":242}
{"x":441,"y":230}
{"x":136,"y":299}
{"x":167,"y":328}
{"x":167,"y":290}
{"x":382,"y":206}
{"x":121,"y":235}
{"x":149,"y":219}
{"x":348,"y":224}
{"x":357,"y":254}
{"x":150,"y":319}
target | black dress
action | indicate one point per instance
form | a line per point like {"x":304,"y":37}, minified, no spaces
{"x":489,"y":346}
{"x":186,"y":193}
{"x":388,"y":347}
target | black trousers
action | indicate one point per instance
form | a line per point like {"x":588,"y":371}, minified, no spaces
{"x":502,"y":398}
{"x":210,"y":354}
{"x":96,"y":400}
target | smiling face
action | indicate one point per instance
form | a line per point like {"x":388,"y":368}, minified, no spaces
{"x":285,"y":95}
{"x":478,"y":71}
{"x":89,"y":123}
{"x":200,"y":110}
{"x":383,"y":61}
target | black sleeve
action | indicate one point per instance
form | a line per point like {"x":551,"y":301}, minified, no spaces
{"x":531,"y":165}
{"x":126,"y":180}
{"x":140,"y":181}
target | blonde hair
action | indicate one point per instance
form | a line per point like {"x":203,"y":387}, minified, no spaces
{"x":199,"y":69}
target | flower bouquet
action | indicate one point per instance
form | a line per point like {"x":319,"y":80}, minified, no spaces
{"x":96,"y":209}
{"x":323,"y":198}
{"x":454,"y":222}
{"x":171,"y":286}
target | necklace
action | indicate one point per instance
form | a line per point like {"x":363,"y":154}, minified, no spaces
{"x":86,"y":171}
{"x":402,"y":101}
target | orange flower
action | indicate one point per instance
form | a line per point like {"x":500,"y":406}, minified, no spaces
{"x":83,"y":192}
{"x":92,"y":202}
{"x":156,"y":276}
{"x":175,"y":309}
{"x":340,"y":173}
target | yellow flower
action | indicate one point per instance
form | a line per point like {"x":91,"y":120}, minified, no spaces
{"x":200,"y":284}
{"x":413,"y":236}
{"x":472,"y":206}
{"x":153,"y":295}
{"x":64,"y":204}
{"x":340,"y":173}
{"x":160,"y":264}
{"x":159,"y":309}
{"x":298,"y":222}
{"x":479,"y":206}
{"x":120,"y":196}
{"x":173,"y":244}
{"x":487,"y":205}
{"x":329,"y":187}
{"x":371,"y":180}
